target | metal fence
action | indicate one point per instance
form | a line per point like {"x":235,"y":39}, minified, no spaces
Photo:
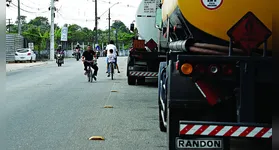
{"x":13,"y":42}
{"x":44,"y":54}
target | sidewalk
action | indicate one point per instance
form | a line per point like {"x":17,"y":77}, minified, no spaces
{"x":17,"y":66}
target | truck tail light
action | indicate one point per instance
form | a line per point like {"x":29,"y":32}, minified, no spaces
{"x":177,"y":65}
{"x":174,"y":28}
{"x":187,"y":68}
{"x":227,"y":69}
{"x":201,"y":69}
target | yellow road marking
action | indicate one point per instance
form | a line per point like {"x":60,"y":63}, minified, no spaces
{"x":97,"y":138}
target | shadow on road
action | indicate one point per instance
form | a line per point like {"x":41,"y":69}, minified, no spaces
{"x":149,"y":83}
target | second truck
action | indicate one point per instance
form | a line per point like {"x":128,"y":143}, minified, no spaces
{"x":144,"y":57}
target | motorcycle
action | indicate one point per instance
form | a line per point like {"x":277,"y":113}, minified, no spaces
{"x":97,"y":54}
{"x":77,"y":54}
{"x":59,"y":59}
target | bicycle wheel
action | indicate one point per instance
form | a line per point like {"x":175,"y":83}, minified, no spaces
{"x":88,"y":74}
{"x":111,"y":70}
{"x":91,"y":75}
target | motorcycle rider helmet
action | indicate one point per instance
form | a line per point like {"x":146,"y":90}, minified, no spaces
{"x":59,"y":47}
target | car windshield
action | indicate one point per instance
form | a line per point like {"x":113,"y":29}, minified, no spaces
{"x":23,"y":50}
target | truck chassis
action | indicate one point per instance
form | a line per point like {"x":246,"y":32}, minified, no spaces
{"x":185,"y":111}
{"x":141,"y":65}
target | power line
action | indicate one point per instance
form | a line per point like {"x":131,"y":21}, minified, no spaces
{"x":36,"y":3}
{"x":32,"y":7}
{"x":65,"y":18}
{"x":27,"y":10}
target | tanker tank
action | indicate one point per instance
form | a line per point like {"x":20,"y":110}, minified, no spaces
{"x":208,"y":21}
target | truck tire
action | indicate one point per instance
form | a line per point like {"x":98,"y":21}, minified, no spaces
{"x":161,"y":123}
{"x":131,"y":80}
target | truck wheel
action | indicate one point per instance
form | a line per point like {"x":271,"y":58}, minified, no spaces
{"x":131,"y":80}
{"x":161,"y":123}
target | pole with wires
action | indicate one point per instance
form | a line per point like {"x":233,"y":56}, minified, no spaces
{"x":9,"y":25}
{"x":51,"y":53}
{"x":109,"y":25}
{"x":96,"y":24}
{"x":19,"y":18}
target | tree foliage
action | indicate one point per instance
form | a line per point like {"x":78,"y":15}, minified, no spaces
{"x":38,"y":31}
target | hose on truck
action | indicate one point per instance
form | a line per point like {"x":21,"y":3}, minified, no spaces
{"x":203,"y":48}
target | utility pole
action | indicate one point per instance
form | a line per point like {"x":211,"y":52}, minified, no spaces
{"x":96,"y":23}
{"x":51,"y":53}
{"x":109,"y":25}
{"x":9,"y":25}
{"x":116,"y":42}
{"x":19,"y":19}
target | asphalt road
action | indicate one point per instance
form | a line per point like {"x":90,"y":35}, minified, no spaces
{"x":55,"y":108}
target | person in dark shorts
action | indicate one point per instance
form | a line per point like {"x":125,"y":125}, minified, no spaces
{"x":89,"y":55}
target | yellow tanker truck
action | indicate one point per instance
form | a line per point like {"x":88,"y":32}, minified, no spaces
{"x":214,"y":88}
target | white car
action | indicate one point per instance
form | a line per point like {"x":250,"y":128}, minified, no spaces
{"x":25,"y":54}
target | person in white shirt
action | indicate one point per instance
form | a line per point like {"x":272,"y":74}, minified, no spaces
{"x":115,"y":51}
{"x":111,"y":58}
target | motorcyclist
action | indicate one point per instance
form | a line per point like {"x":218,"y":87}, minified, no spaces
{"x":77,"y":50}
{"x":88,"y":55}
{"x":59,"y":51}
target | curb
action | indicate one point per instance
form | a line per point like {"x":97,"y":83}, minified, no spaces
{"x":42,"y":63}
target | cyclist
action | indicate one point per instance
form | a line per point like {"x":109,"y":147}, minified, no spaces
{"x":115,"y":51}
{"x":88,"y":55}
{"x":111,"y":59}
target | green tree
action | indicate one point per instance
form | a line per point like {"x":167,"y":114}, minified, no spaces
{"x":33,"y":34}
{"x":37,"y":31}
{"x":124,"y":35}
{"x":41,"y":22}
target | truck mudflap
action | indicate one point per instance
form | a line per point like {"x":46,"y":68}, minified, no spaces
{"x":195,"y":134}
{"x":143,"y":74}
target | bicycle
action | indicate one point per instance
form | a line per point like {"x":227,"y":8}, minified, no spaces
{"x":89,"y":71}
{"x":111,"y":67}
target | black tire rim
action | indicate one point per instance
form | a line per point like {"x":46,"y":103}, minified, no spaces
{"x":111,"y":70}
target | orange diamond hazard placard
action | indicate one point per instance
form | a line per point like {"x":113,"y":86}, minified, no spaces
{"x":249,"y":32}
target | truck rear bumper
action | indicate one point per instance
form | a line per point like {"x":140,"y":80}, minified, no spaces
{"x":143,"y":74}
{"x":220,"y":129}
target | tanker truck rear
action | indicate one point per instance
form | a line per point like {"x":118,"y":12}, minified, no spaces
{"x":144,"y":58}
{"x":215,"y":85}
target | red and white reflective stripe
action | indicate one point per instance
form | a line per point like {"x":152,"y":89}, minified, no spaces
{"x":144,"y":74}
{"x":228,"y":131}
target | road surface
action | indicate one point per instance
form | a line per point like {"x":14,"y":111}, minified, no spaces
{"x":55,"y":108}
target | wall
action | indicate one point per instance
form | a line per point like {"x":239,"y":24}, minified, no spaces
{"x":13,"y":42}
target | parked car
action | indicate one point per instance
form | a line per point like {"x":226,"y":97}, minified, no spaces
{"x":25,"y":54}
